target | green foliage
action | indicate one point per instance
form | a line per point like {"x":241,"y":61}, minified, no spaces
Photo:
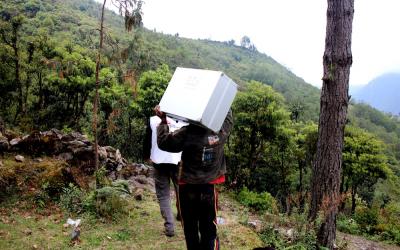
{"x":152,"y":85}
{"x":72,"y":199}
{"x":271,"y":237}
{"x":57,"y":43}
{"x":347,"y":225}
{"x":257,"y":201}
{"x":261,"y":150}
{"x":389,"y":223}
{"x":108,"y":202}
{"x":259,"y":117}
{"x":364,"y":162}
{"x":382,"y":224}
{"x":367,"y":219}
{"x":305,"y":240}
{"x":41,"y":199}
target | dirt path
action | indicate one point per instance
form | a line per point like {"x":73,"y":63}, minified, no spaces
{"x":360,"y":243}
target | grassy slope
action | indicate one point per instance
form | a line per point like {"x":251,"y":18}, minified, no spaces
{"x":23,"y":228}
{"x":23,"y":225}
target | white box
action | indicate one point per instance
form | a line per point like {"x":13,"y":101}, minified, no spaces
{"x":199,"y":96}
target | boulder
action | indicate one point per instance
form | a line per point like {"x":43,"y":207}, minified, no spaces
{"x":19,"y":158}
{"x":4,"y":144}
{"x":15,"y":141}
{"x":78,"y":152}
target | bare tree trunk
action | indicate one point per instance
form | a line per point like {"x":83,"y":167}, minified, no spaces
{"x":96,"y":98}
{"x":353,"y":199}
{"x":18,"y":82}
{"x":327,"y":167}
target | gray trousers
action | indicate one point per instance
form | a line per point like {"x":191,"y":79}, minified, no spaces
{"x":164,"y":174}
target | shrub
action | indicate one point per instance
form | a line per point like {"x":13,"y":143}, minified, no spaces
{"x":306,"y":240}
{"x":109,"y":203}
{"x":271,"y":237}
{"x":347,"y":225}
{"x":392,"y":234}
{"x":257,"y":201}
{"x":72,"y":199}
{"x":389,"y":226}
{"x":367,"y":219}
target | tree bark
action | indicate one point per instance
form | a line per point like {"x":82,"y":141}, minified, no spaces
{"x":327,"y":167}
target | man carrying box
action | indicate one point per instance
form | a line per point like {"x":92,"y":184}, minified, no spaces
{"x":165,"y":170}
{"x":202,"y":166}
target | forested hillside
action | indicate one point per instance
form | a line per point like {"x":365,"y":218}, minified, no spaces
{"x":48,"y":54}
{"x":382,"y":93}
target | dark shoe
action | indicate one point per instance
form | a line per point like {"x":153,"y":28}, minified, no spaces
{"x":169,"y":233}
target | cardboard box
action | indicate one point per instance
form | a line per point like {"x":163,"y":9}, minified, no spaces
{"x":198,"y":96}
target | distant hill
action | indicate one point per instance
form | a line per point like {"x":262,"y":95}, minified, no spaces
{"x":382,"y":93}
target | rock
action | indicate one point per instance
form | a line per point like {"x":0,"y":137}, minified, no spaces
{"x":15,"y":141}
{"x":76,"y":232}
{"x":133,"y":184}
{"x":138,"y":195}
{"x":102,"y":153}
{"x":38,"y":159}
{"x":2,"y":126}
{"x":142,"y":179}
{"x":74,"y":145}
{"x":65,"y":156}
{"x":27,"y":231}
{"x":112,"y":175}
{"x":255,"y":225}
{"x":287,"y":233}
{"x":19,"y":158}
{"x":118,"y":156}
{"x":75,"y":136}
{"x":127,"y":171}
{"x":290,"y":234}
{"x":4,"y":145}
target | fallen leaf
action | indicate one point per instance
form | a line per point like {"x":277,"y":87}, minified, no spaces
{"x":35,"y":246}
{"x":108,"y":237}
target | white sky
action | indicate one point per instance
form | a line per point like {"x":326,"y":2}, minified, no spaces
{"x":290,"y":31}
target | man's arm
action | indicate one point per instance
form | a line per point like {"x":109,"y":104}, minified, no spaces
{"x":170,"y":141}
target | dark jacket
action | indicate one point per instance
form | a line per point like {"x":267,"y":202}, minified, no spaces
{"x":203,"y":157}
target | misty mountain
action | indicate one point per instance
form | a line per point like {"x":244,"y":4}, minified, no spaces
{"x":382,"y":93}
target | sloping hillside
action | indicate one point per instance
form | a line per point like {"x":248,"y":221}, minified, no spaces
{"x":382,"y":93}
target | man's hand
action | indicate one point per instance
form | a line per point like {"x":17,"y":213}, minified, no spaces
{"x":160,"y":114}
